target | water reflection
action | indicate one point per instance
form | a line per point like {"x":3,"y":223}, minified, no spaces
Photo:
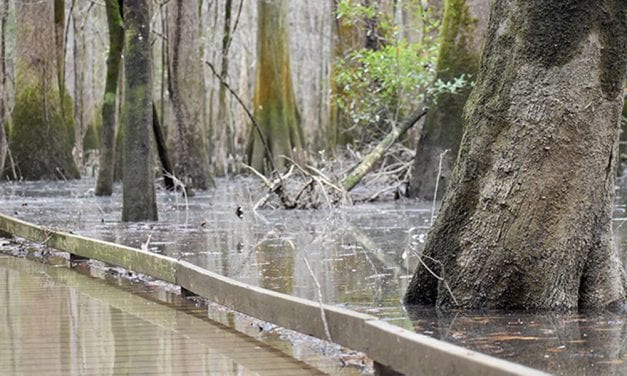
{"x":354,"y":252}
{"x":59,"y":322}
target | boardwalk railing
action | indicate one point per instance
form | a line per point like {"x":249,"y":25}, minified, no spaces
{"x":393,"y":349}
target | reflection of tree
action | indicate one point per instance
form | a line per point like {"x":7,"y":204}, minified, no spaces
{"x":569,"y":344}
{"x":275,"y":257}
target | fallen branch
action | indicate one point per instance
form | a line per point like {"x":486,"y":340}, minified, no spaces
{"x":366,"y":164}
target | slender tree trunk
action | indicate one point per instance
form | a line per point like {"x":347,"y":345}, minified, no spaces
{"x":41,"y":137}
{"x":4,"y":11}
{"x":185,"y":83}
{"x":274,"y":103}
{"x":526,"y":222}
{"x":463,"y":32}
{"x":139,"y":201}
{"x":223,"y":126}
{"x":104,"y":182}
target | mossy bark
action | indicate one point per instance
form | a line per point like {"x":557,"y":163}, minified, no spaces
{"x":274,"y":104}
{"x":188,"y":141}
{"x":526,"y":222}
{"x":139,"y":202}
{"x":104,"y":183}
{"x":41,"y":138}
{"x":463,"y":30}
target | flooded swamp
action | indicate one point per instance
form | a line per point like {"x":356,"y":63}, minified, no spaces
{"x":362,"y":256}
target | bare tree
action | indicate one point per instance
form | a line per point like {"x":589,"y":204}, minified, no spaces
{"x":274,"y":103}
{"x":41,"y":137}
{"x":104,"y":183}
{"x":4,"y":13}
{"x":139,"y":202}
{"x":188,"y":138}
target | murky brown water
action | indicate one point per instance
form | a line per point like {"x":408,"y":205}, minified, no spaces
{"x":362,"y":256}
{"x":55,"y":321}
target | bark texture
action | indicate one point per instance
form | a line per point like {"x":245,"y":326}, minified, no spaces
{"x":3,"y":79}
{"x":104,"y":183}
{"x":139,"y":201}
{"x":224,"y":145}
{"x":526,"y":222}
{"x":188,"y":140}
{"x":463,"y":30}
{"x":41,"y":138}
{"x":274,"y":104}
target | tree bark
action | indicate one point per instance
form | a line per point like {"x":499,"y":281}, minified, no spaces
{"x":139,"y":202}
{"x":104,"y":183}
{"x":463,"y":31}
{"x":224,"y":143}
{"x":3,"y":80}
{"x":526,"y":222}
{"x":41,"y":137}
{"x":188,"y":141}
{"x":273,"y":103}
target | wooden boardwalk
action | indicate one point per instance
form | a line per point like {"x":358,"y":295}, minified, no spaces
{"x":55,"y":321}
{"x":393,"y":350}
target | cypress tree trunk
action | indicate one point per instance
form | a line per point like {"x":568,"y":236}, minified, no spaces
{"x":41,"y":137}
{"x":274,"y":103}
{"x":139,"y":201}
{"x":104,"y":183}
{"x":526,"y":222}
{"x":463,"y":30}
{"x":188,"y":141}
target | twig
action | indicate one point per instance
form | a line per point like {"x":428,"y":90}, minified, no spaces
{"x":179,"y":184}
{"x":439,"y":278}
{"x":322,"y":313}
{"x":260,"y":175}
{"x":437,"y":181}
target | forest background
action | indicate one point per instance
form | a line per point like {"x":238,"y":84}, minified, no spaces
{"x":356,"y":69}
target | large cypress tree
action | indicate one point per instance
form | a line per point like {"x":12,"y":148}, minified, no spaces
{"x":42,"y":136}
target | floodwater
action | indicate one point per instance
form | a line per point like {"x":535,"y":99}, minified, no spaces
{"x":55,"y":321}
{"x":362,"y":256}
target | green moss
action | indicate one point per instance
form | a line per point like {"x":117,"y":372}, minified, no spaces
{"x":91,"y":141}
{"x":41,"y":142}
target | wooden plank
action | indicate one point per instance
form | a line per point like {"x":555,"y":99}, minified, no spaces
{"x":416,"y":354}
{"x":139,"y":261}
{"x":301,"y":315}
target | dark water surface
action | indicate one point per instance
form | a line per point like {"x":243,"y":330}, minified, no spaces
{"x":363,"y":257}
